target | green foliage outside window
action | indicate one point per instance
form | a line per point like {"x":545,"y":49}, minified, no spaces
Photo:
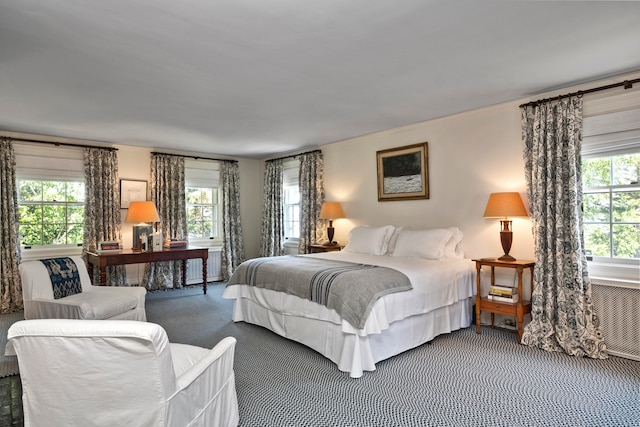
{"x":202,"y":212}
{"x":50,"y":212}
{"x":612,"y":205}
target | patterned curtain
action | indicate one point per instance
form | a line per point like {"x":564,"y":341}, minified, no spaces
{"x":102,"y":207}
{"x":232,"y":243}
{"x":272,"y":213}
{"x":168,"y":191}
{"x":562,"y":317}
{"x":10,"y":285}
{"x":311,"y":198}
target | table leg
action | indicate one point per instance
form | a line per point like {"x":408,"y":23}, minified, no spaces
{"x":204,"y":275}
{"x":103,"y":276}
{"x":478,"y":298}
{"x":184,"y":272}
{"x":519,"y":308}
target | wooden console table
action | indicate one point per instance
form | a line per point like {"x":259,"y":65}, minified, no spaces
{"x":127,"y":256}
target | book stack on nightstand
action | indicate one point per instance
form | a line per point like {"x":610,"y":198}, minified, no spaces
{"x":503,"y":294}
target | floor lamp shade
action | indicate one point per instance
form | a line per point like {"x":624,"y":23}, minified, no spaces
{"x":505,"y":205}
{"x":141,"y":213}
{"x":331,"y":211}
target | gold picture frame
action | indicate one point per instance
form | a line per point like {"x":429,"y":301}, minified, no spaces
{"x":403,"y":173}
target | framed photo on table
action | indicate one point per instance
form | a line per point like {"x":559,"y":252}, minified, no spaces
{"x":132,"y":190}
{"x":403,"y":173}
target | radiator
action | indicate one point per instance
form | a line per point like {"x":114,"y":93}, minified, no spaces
{"x":214,"y":268}
{"x":617,"y":304}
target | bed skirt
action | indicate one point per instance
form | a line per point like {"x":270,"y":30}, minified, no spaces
{"x":357,"y":353}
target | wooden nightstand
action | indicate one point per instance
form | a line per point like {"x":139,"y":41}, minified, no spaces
{"x":517,"y":309}
{"x":314,"y":249}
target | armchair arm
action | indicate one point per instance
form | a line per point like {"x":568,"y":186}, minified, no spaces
{"x":208,"y":389}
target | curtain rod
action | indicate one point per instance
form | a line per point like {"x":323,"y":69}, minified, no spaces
{"x":294,"y":155}
{"x":627,"y":84}
{"x":57,"y":143}
{"x":196,"y":157}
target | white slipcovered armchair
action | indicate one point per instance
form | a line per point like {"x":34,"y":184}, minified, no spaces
{"x":120,"y":373}
{"x":94,"y":302}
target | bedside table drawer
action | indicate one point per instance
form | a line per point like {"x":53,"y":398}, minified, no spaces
{"x":506,"y":308}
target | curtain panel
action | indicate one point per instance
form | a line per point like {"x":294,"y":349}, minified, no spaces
{"x":272,"y":231}
{"x":169,"y":193}
{"x":311,"y":198}
{"x":102,"y":220}
{"x":232,"y":241}
{"x":10,"y":285}
{"x":562,"y":316}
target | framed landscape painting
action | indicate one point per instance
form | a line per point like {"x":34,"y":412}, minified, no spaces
{"x":403,"y":173}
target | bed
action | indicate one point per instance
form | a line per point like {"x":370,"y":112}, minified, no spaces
{"x":440,"y":298}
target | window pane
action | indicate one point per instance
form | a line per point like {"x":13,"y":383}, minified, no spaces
{"x":55,"y":213}
{"x":75,"y":234}
{"x":30,"y":234}
{"x":75,"y":214}
{"x":596,"y":207}
{"x":193,"y":195}
{"x":596,"y":172}
{"x":54,"y":234}
{"x":29,"y":191}
{"x":626,"y":241}
{"x":626,"y":169}
{"x":54,"y":191}
{"x":30,"y":214}
{"x":75,"y":191}
{"x":596,"y":240}
{"x":626,"y":206}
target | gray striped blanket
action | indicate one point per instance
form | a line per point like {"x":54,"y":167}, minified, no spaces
{"x":348,"y":288}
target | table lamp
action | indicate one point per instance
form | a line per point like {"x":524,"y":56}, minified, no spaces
{"x":504,"y":205}
{"x":331,"y":211}
{"x":141,"y":213}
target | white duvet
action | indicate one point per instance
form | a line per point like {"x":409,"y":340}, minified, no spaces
{"x":436,"y":283}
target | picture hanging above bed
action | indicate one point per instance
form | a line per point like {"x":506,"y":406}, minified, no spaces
{"x":403,"y":173}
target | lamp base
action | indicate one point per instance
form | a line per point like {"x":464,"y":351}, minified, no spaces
{"x":506,"y":237}
{"x":138,"y":231}
{"x":506,"y":257}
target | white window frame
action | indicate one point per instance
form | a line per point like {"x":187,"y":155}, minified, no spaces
{"x":290,"y":178}
{"x":612,"y":126}
{"x":206,"y":174}
{"x":49,"y":163}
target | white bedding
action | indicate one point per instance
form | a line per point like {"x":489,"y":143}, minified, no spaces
{"x":439,"y":302}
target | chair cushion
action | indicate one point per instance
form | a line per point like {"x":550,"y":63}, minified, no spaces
{"x":99,"y":304}
{"x":63,"y":273}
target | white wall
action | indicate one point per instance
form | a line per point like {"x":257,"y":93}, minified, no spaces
{"x":471,"y":155}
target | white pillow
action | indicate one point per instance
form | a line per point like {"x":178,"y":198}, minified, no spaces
{"x":369,"y":240}
{"x":428,"y":244}
{"x":451,"y":249}
{"x":393,"y":239}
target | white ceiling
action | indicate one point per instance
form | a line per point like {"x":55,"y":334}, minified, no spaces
{"x":253,"y":78}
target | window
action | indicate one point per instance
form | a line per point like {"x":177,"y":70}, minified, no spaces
{"x":50,"y":212}
{"x":51,"y":203}
{"x":202,"y":212}
{"x":202,"y":188}
{"x":291,"y":202}
{"x":611,"y":183}
{"x":612,"y":205}
{"x":291,"y":199}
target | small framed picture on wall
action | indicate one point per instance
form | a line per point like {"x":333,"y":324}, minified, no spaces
{"x":132,"y":190}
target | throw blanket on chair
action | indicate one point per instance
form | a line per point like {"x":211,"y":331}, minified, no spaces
{"x":348,"y":288}
{"x":65,"y":279}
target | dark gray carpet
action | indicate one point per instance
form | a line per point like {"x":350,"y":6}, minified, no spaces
{"x":460,"y":379}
